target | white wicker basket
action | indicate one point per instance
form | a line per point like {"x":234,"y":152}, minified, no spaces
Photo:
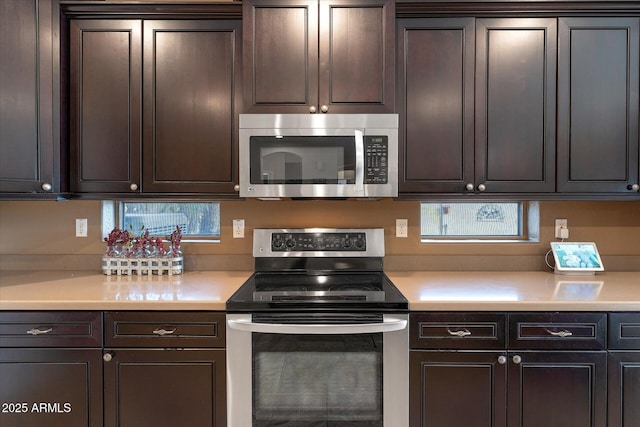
{"x":115,"y":266}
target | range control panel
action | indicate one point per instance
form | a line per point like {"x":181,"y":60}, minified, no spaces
{"x":376,"y":155}
{"x":342,"y":242}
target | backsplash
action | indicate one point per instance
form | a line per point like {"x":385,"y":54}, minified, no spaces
{"x":41,"y":235}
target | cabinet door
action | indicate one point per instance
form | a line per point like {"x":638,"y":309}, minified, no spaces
{"x":106,"y":66}
{"x":598,"y":85}
{"x":457,"y":389}
{"x":28,"y":140}
{"x":280,"y":55}
{"x":557,"y":389}
{"x":192,"y":73}
{"x":50,"y":387}
{"x":435,"y":104}
{"x":624,"y":389}
{"x":304,"y":56}
{"x":515,"y":105}
{"x":357,"y":64}
{"x":165,"y":388}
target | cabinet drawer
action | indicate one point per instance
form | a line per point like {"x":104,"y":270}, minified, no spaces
{"x":164,"y":329}
{"x":50,"y":329}
{"x":624,"y":331}
{"x":457,"y":330}
{"x":571,"y":331}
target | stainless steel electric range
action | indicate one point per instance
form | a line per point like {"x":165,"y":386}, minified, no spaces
{"x":318,"y":335}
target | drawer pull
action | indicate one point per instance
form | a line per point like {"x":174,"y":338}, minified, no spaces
{"x":561,"y":334}
{"x":162,"y":332}
{"x":459,"y":333}
{"x":38,"y":331}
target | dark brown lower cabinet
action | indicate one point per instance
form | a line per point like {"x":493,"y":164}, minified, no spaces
{"x":50,"y":387}
{"x":457,"y":388}
{"x":165,"y":387}
{"x":624,"y":389}
{"x":50,"y":369}
{"x":164,"y":369}
{"x":624,"y":370}
{"x":461,"y":384}
{"x":557,"y":389}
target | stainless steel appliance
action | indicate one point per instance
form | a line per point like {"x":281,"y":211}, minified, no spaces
{"x":309,"y":155}
{"x":318,"y":335}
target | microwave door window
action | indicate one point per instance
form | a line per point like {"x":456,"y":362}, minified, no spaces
{"x":302,"y":160}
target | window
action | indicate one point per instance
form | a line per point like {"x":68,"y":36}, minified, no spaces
{"x":198,"y":221}
{"x":465,"y":221}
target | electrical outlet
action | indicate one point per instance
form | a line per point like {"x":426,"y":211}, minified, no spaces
{"x":402,"y":227}
{"x":81,"y":227}
{"x":238,"y":228}
{"x":562,"y":229}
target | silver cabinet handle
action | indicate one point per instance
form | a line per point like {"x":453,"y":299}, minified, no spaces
{"x":469,"y":187}
{"x":459,"y":333}
{"x":502,"y":360}
{"x":517,"y":359}
{"x":388,"y":325}
{"x":133,"y":186}
{"x":561,"y":334}
{"x":46,"y":186}
{"x":162,"y":332}
{"x":634,"y":187}
{"x":324,"y":108}
{"x":107,"y":357}
{"x":38,"y":331}
{"x":312,"y":109}
{"x":482,"y":187}
{"x":236,"y":187}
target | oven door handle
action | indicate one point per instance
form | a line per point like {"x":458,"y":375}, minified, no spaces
{"x":389,"y":324}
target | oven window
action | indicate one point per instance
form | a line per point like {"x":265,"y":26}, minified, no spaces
{"x":303,"y":160}
{"x":317,"y":380}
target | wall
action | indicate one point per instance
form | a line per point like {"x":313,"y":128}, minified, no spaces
{"x":41,"y":235}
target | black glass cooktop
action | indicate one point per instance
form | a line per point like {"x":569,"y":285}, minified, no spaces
{"x":297,"y":291}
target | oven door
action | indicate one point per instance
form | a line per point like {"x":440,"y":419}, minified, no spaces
{"x":347,"y":373}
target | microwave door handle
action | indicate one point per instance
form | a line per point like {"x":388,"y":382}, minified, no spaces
{"x":388,"y":325}
{"x":359,"y":186}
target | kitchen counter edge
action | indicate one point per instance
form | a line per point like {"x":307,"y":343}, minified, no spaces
{"x":425,"y":290}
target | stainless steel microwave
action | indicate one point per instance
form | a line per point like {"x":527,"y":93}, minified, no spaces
{"x":316,"y":156}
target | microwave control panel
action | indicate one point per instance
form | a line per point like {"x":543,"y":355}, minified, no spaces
{"x":376,"y":155}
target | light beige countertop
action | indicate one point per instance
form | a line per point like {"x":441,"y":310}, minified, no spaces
{"x":425,"y":290}
{"x":86,"y":290}
{"x":518,"y":291}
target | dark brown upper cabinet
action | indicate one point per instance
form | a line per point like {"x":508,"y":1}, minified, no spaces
{"x":29,"y":56}
{"x":105,"y":105}
{"x":191,"y":85}
{"x":181,"y":136}
{"x":515,"y":122}
{"x":334,"y":56}
{"x":598,"y":85}
{"x":477,"y":105}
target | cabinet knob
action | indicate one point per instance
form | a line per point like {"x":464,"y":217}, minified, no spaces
{"x":46,"y":186}
{"x":107,"y":357}
{"x":502,"y":360}
{"x":324,"y":108}
{"x":133,"y":187}
{"x":469,"y":187}
{"x":517,"y":359}
{"x":312,"y":109}
{"x":482,"y":187}
{"x":236,"y":187}
{"x":634,"y":187}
